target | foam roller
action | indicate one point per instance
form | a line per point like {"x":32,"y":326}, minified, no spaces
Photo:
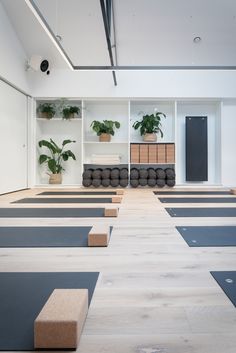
{"x":87,"y":174}
{"x":87,"y":182}
{"x":134,"y":183}
{"x":160,"y":183}
{"x":106,"y":182}
{"x":170,"y":182}
{"x":143,"y":173}
{"x":97,"y":173}
{"x":151,"y":173}
{"x":114,"y":182}
{"x":142,"y":182}
{"x":170,"y":173}
{"x":124,"y":182}
{"x":106,"y":173}
{"x":134,"y":174}
{"x":124,"y":173}
{"x":151,"y":182}
{"x":115,"y":173}
{"x":96,"y":183}
{"x":160,"y":173}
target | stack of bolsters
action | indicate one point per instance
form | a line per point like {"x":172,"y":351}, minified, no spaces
{"x":152,"y":177}
{"x":106,"y":177}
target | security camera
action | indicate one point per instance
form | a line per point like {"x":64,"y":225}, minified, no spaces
{"x":44,"y":67}
{"x":36,"y":63}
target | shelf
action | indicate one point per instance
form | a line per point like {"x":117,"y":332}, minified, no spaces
{"x":58,"y":119}
{"x":156,"y":142}
{"x":104,"y":143}
{"x":152,"y":163}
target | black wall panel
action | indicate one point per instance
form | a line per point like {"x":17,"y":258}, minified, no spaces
{"x":196,"y":148}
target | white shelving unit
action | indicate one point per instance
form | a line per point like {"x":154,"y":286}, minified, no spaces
{"x":127,"y":112}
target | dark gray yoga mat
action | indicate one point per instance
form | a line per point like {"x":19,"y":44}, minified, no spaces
{"x":227,"y":282}
{"x":208,"y":235}
{"x":65,"y":200}
{"x":44,"y":237}
{"x":51,"y":212}
{"x":202,"y":212}
{"x":192,"y":193}
{"x":197,"y":199}
{"x":51,"y":193}
{"x":23,"y":295}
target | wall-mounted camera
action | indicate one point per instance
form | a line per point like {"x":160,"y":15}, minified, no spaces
{"x":37,"y":63}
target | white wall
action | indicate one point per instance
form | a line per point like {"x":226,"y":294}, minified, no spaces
{"x":12,"y":57}
{"x":228,"y":138}
{"x":153,"y":84}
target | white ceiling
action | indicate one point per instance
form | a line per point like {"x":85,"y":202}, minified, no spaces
{"x":148,"y":32}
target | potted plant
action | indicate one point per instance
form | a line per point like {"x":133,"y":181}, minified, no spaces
{"x":69,"y":112}
{"x":46,"y":110}
{"x":55,"y":161}
{"x":149,"y":126}
{"x":104,"y":129}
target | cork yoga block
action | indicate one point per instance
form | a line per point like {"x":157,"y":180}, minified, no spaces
{"x":60,"y":323}
{"x":233,"y":191}
{"x":119,"y":192}
{"x":99,"y":236}
{"x":116,"y":199}
{"x":111,"y":212}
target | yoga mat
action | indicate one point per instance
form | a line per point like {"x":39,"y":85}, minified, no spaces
{"x":51,"y":212}
{"x":197,"y":199}
{"x":192,"y":193}
{"x":52,"y":193}
{"x":44,"y":237}
{"x":23,"y":295}
{"x":227,"y":282}
{"x":208,"y":235}
{"x":202,"y":212}
{"x":65,"y":200}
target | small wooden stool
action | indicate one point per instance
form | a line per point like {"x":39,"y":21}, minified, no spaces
{"x":99,"y":236}
{"x":60,"y":322}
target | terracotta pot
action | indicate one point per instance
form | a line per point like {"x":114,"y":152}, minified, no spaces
{"x":105,"y":138}
{"x":150,"y":137}
{"x":55,"y":179}
{"x":46,"y":116}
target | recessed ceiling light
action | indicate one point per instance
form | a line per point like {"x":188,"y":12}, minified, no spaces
{"x":197,"y":39}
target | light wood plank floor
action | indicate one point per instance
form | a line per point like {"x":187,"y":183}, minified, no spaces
{"x":154,"y":293}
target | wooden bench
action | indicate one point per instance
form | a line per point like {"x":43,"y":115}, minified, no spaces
{"x":99,"y":236}
{"x":60,"y":323}
{"x":111,"y":212}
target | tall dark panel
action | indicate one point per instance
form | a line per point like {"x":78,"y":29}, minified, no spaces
{"x":196,"y":148}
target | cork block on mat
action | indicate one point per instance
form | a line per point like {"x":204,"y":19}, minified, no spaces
{"x":60,"y":323}
{"x":111,"y":212}
{"x":99,"y":236}
{"x":116,"y":199}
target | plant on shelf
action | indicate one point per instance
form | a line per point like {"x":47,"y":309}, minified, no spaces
{"x":56,"y":158}
{"x":149,"y":126}
{"x":70,"y":112}
{"x":46,"y":110}
{"x":104,"y":129}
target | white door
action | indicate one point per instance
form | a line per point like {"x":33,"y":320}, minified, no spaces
{"x":13,"y":139}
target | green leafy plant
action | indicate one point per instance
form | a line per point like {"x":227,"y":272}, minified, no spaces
{"x":105,"y":127}
{"x":150,"y":124}
{"x":57,"y":155}
{"x":48,"y":110}
{"x":68,"y":112}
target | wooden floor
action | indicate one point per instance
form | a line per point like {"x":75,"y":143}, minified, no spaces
{"x":154,"y":293}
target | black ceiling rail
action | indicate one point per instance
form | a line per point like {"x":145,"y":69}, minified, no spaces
{"x":108,"y":12}
{"x":105,"y":16}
